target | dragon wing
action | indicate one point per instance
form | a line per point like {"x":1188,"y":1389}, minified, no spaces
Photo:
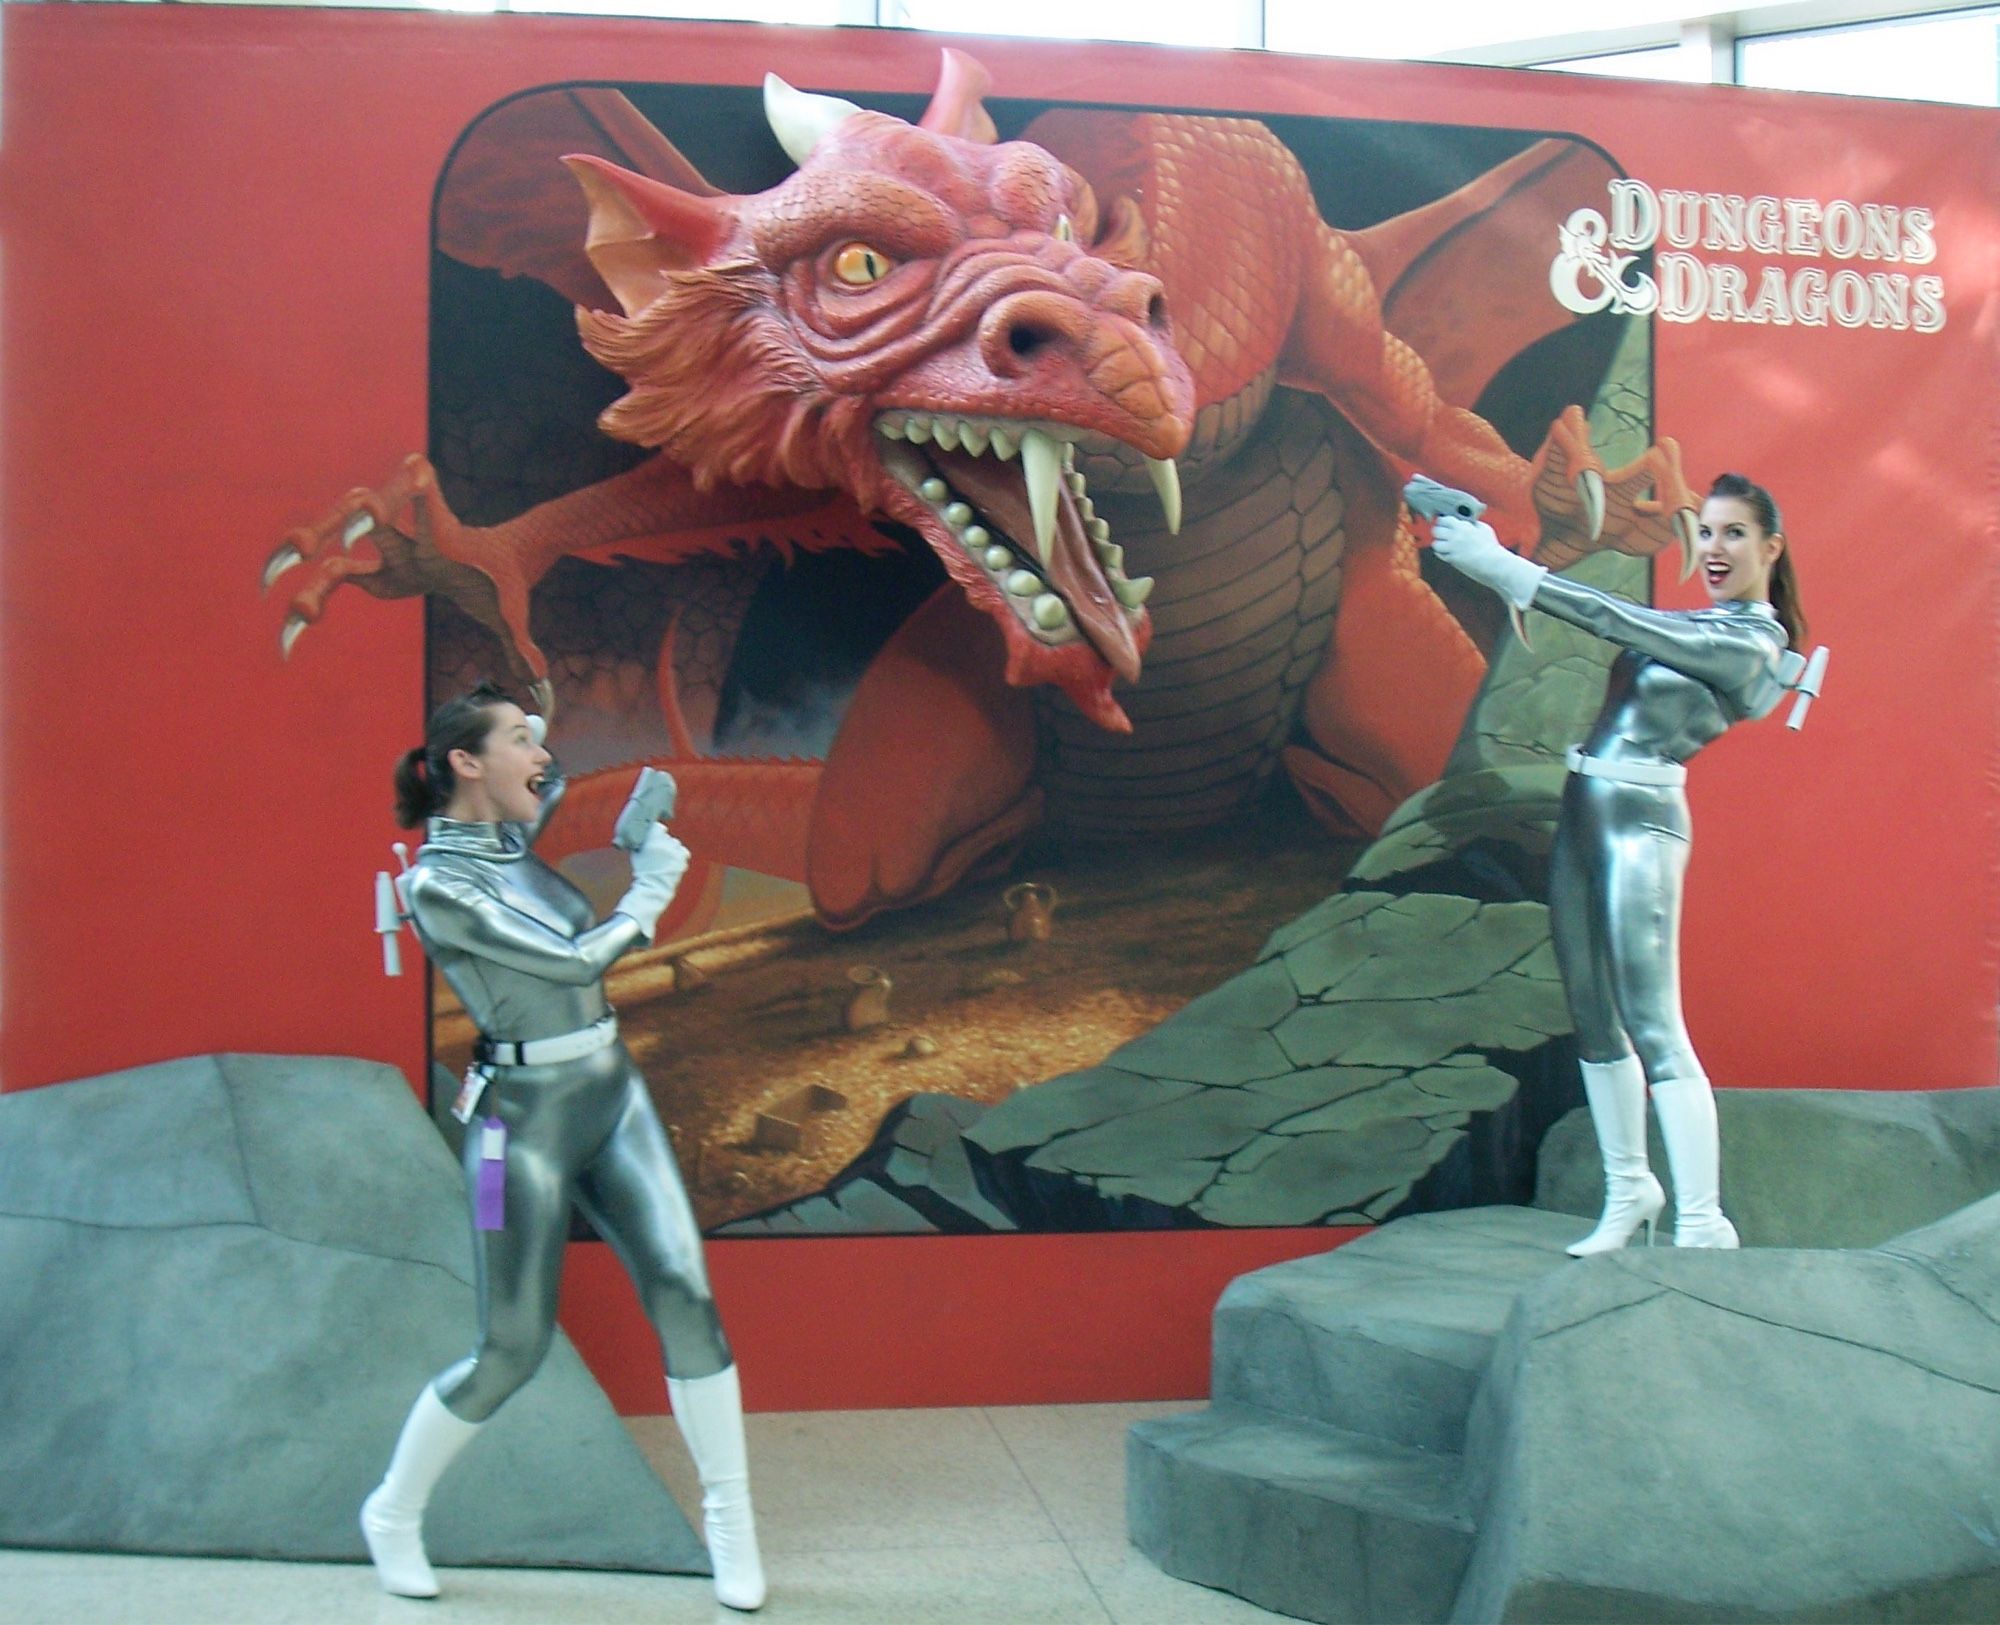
{"x":1464,"y":281}
{"x":507,"y":204}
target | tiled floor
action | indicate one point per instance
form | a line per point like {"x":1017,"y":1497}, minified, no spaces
{"x":939,"y":1517}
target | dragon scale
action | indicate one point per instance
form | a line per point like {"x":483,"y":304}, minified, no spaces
{"x":1261,"y":553}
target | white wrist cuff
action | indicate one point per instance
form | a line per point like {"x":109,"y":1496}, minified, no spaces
{"x":1517,"y":580}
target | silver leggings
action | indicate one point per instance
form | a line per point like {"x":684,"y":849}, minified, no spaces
{"x":1615,"y":881}
{"x":581,"y":1132}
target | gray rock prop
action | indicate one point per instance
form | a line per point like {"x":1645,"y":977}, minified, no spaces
{"x":1814,"y":1167}
{"x":1450,"y":1420}
{"x":223,"y":1281}
{"x":1399,"y":1048}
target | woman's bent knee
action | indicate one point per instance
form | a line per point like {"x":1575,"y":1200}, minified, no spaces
{"x":690,"y":1332}
{"x":477,"y":1387}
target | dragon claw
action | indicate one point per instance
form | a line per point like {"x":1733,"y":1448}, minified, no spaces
{"x":1684,"y":533}
{"x":1640,"y":509}
{"x":1519,"y":622}
{"x":544,"y":694}
{"x":293,"y":629}
{"x":1590,"y":492}
{"x":356,"y":528}
{"x":282,"y":558}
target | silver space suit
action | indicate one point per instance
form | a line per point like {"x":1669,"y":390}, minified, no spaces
{"x":1621,"y":844}
{"x":520,"y":946}
{"x":1621,"y":853}
{"x":563,"y":1117}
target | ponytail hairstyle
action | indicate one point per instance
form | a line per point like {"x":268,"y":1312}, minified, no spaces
{"x":425,"y":782}
{"x":1784,"y":579}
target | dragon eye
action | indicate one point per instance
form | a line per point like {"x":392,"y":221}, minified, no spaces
{"x":858,"y":265}
{"x":1065,"y":232}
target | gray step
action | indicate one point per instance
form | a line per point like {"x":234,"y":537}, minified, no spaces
{"x":1299,"y":1517}
{"x":1389,"y":1335}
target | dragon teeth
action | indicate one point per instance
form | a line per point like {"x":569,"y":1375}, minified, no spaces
{"x":1024,"y":582}
{"x":1005,"y":444}
{"x":1167,"y":482}
{"x":934,"y":490}
{"x":1111,"y":553}
{"x":1049,"y":612}
{"x":957,"y":513}
{"x":1041,"y":463}
{"x":944,"y":433}
{"x":1132,"y":594}
{"x":918,"y":430}
{"x":1100,"y":530}
{"x":976,"y":536}
{"x":998,"y":557}
{"x":973,"y":438}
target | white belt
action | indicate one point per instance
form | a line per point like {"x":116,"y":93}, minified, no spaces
{"x":1652,"y":773}
{"x":548,"y":1051}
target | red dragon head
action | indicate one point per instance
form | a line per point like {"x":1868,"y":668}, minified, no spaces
{"x":913,"y":318}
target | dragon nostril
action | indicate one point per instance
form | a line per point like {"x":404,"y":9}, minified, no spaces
{"x":1156,"y":312}
{"x":1027,"y":338}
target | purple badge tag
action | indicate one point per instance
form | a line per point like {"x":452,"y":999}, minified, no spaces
{"x":489,"y":1190}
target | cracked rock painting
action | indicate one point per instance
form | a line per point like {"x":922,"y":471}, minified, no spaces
{"x":1101,"y":818}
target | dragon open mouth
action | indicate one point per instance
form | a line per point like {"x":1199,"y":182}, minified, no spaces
{"x":1012,"y":516}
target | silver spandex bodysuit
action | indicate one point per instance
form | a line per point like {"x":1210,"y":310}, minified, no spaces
{"x":519,"y":945}
{"x":1621,"y":848}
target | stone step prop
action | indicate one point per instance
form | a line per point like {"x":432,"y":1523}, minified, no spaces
{"x":1390,"y":1335}
{"x":223,"y":1281}
{"x":1299,"y":1517}
{"x":1654,"y":1434}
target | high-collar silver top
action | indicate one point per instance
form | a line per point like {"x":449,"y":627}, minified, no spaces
{"x":1681,"y":678}
{"x":517,"y":941}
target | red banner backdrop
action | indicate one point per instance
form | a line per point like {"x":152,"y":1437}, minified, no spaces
{"x":216,"y":267}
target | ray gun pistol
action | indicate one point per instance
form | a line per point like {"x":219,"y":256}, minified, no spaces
{"x":1428,"y":498}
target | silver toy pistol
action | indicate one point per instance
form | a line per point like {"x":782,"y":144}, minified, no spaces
{"x":1433,"y":501}
{"x":652,"y":802}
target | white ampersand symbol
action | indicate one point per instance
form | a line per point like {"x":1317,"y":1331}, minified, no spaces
{"x":1580,"y":252}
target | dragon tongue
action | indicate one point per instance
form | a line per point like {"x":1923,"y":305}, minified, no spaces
{"x":1000,"y":491}
{"x":1075,"y":574}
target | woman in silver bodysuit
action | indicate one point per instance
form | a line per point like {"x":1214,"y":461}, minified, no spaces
{"x":1621,"y":845}
{"x":564,"y":1117}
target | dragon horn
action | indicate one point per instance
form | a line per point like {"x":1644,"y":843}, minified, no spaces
{"x":799,"y":119}
{"x":956,"y":108}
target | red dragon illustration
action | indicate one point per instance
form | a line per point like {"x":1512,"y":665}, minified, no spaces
{"x":1128,"y":336}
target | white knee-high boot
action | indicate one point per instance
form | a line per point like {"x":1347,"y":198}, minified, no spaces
{"x":1616,"y":1091}
{"x":392,"y":1518}
{"x":1686,"y":1107}
{"x":710,"y":1413}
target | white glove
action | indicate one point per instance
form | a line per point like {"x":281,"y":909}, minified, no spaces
{"x":1470,"y":547}
{"x":657,"y":868}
